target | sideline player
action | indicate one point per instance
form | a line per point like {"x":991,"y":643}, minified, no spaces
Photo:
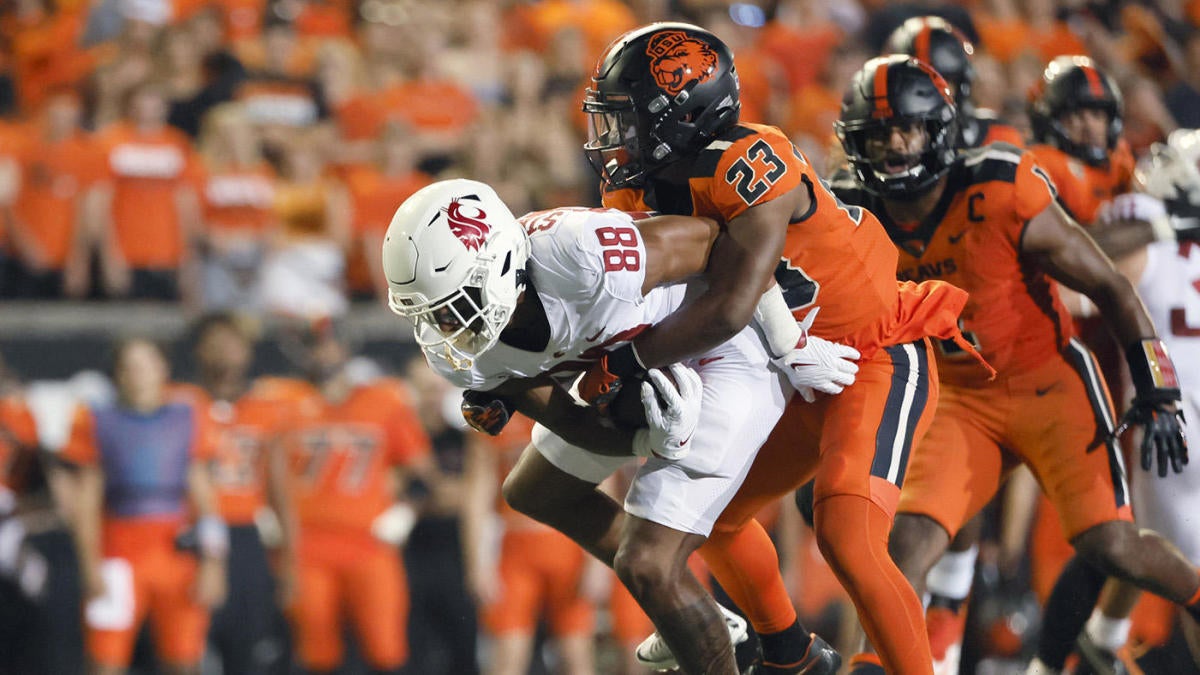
{"x":144,"y":470}
{"x":249,"y":473}
{"x":512,"y":310}
{"x":665,"y":136}
{"x":351,"y":448}
{"x":985,"y":219}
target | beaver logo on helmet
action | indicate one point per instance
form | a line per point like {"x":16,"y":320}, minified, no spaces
{"x":677,"y":59}
{"x":471,"y":230}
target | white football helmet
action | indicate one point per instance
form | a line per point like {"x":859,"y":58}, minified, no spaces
{"x":1170,"y":172}
{"x":454,"y":257}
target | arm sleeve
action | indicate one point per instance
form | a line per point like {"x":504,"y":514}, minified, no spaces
{"x":753,"y":170}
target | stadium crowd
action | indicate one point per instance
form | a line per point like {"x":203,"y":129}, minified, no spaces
{"x":240,"y":161}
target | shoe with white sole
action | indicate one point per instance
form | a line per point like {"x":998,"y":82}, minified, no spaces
{"x":654,"y":653}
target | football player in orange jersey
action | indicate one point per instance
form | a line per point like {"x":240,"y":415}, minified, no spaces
{"x":351,"y":446}
{"x":665,"y":137}
{"x":986,"y":219}
{"x":1076,"y":113}
{"x":249,"y":474}
{"x":937,"y":42}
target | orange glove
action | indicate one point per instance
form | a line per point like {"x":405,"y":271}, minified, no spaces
{"x":600,"y":384}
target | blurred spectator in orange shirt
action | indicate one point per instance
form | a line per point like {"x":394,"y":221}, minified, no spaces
{"x":58,"y":166}
{"x":304,"y":272}
{"x":145,"y":207}
{"x":533,"y":25}
{"x":279,"y":91}
{"x":44,"y":49}
{"x":237,"y":197}
{"x":376,"y":192}
{"x":124,"y":65}
{"x":815,"y":107}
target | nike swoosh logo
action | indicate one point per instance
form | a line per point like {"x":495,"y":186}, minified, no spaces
{"x":594,"y":337}
{"x":686,"y":440}
{"x":955,"y":237}
{"x":558,"y":355}
{"x":708,"y":359}
{"x":1042,"y":391}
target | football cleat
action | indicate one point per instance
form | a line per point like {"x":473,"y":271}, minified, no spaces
{"x":820,"y":659}
{"x":654,"y":653}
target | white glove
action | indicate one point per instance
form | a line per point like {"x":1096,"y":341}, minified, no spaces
{"x":1134,"y":206}
{"x":672,"y":412}
{"x":817,"y":364}
{"x":393,"y":526}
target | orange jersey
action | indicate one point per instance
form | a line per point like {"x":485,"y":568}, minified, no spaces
{"x":242,"y":432}
{"x":973,"y":240}
{"x":18,"y":442}
{"x":146,"y":171}
{"x":54,"y":177}
{"x":342,"y":454}
{"x":239,"y":199}
{"x":836,"y":257}
{"x":1083,"y":188}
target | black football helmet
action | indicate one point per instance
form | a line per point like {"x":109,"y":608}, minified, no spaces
{"x":1072,"y":83}
{"x":660,"y":93}
{"x":890,"y":91}
{"x":937,"y":42}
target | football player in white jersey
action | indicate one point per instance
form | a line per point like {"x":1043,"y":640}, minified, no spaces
{"x":1153,"y":236}
{"x":514,"y":311}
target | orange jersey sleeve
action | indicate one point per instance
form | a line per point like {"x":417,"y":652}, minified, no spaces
{"x":81,"y":444}
{"x":1003,"y":133}
{"x":748,"y":165}
{"x":1083,"y":189}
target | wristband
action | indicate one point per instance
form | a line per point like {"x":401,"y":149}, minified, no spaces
{"x":1152,"y":372}
{"x":624,"y":362}
{"x":212,"y":537}
{"x":778,"y":325}
{"x":1162,"y":228}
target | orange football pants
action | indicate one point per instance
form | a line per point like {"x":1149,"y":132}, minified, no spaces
{"x":350,"y":575}
{"x":540,"y":571}
{"x":857,"y":444}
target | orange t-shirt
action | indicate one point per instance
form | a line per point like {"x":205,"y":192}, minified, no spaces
{"x":836,"y":257}
{"x":242,"y":432}
{"x":1083,"y":188}
{"x":17,"y":442}
{"x":239,"y":200}
{"x":54,"y":176}
{"x":146,"y":172}
{"x":814,"y":109}
{"x":432,"y":105}
{"x":342,"y":454}
{"x":973,"y":240}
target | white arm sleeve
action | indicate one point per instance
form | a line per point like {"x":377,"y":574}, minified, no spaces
{"x":778,"y":325}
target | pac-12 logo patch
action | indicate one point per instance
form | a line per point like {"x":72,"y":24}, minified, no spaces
{"x":470,"y":229}
{"x":677,"y":59}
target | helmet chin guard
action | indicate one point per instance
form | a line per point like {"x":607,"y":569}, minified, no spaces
{"x":455,"y":257}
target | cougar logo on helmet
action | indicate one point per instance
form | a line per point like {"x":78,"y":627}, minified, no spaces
{"x":471,"y":230}
{"x":676,"y":59}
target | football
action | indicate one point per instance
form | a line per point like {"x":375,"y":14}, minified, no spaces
{"x":626,"y":409}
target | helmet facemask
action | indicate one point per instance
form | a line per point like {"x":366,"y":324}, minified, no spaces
{"x":899,"y":176}
{"x":612,"y":147}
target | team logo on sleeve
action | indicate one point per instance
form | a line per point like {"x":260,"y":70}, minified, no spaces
{"x":470,"y":229}
{"x":676,"y":60}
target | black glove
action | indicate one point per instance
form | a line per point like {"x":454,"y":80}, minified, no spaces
{"x":1155,"y":408}
{"x":485,"y":412}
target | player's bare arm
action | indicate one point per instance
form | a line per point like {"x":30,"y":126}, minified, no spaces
{"x":740,"y":269}
{"x":677,"y":247}
{"x":1072,"y":257}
